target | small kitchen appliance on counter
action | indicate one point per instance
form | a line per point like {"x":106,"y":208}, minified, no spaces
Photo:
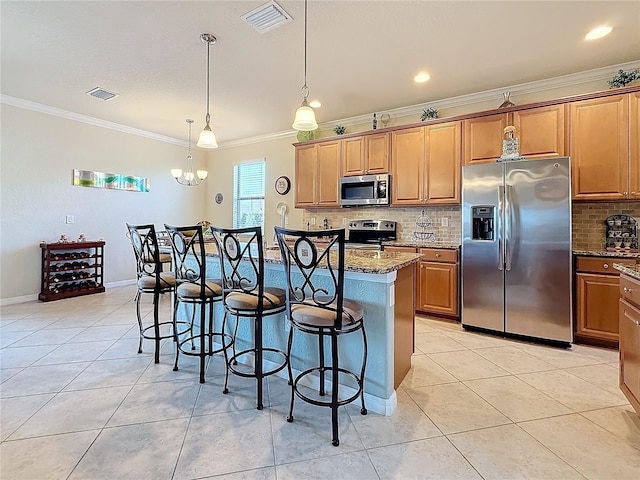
{"x":369,"y":234}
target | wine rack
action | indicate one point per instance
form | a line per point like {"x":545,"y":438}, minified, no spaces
{"x":71,"y":269}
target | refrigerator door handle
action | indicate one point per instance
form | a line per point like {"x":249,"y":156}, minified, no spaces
{"x":499,"y":227}
{"x":507,"y":228}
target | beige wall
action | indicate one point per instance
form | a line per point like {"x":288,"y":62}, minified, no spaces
{"x":279,"y":156}
{"x":39,"y":153}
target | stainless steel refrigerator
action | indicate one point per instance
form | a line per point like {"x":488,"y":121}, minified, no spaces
{"x":516,"y":248}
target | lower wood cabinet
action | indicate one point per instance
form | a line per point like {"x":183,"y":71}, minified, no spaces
{"x":629,"y":316}
{"x":437,"y":286}
{"x":597,"y":295}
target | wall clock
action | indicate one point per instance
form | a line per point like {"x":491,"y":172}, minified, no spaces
{"x":283,"y":185}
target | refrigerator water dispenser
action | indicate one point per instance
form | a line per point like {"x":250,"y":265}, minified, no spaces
{"x":483,"y":221}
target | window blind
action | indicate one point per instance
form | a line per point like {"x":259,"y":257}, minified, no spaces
{"x":248,"y":194}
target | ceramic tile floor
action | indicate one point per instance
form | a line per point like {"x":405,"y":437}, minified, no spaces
{"x":78,"y":402}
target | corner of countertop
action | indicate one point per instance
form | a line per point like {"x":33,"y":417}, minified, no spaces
{"x":607,"y":253}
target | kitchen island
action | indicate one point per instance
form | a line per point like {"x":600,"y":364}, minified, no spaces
{"x":383,"y":283}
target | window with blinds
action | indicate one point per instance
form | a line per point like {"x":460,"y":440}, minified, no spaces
{"x":248,"y":194}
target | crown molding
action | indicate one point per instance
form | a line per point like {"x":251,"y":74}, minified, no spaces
{"x":58,"y":112}
{"x":597,"y":74}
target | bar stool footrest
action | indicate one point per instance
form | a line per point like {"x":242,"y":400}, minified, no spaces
{"x":327,"y":403}
{"x":162,"y":337}
{"x":273,"y":371}
{"x":197,"y":353}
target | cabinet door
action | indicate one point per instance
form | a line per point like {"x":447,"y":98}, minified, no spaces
{"x":541,"y":131}
{"x":634,"y":144}
{"x":483,"y":138}
{"x":377,"y":153}
{"x":328,"y":174}
{"x":600,"y":148}
{"x":353,"y":156}
{"x":630,"y":353}
{"x":306,"y":174}
{"x":443,"y":163}
{"x":438,"y":288}
{"x":407,"y":166}
{"x":598,"y":296}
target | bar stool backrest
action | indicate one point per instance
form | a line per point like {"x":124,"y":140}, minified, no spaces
{"x":241,"y":260}
{"x":189,"y":255}
{"x":314,"y":269}
{"x":145,"y":247}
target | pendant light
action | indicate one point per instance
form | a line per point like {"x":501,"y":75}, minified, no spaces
{"x":189,"y":178}
{"x":207,"y":137}
{"x":305,"y":117}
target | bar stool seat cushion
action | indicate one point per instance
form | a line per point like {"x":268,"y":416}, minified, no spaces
{"x":323,"y":317}
{"x":164,"y":258}
{"x":213,"y":288}
{"x":148,"y":282}
{"x":273,"y":297}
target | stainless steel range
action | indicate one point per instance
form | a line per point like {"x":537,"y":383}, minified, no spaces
{"x":369,"y":234}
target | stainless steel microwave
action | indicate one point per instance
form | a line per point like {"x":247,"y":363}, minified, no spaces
{"x":365,"y":190}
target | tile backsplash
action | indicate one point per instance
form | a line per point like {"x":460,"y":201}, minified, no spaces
{"x":588,"y":220}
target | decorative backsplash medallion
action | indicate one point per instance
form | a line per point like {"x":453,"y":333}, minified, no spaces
{"x":621,"y":233}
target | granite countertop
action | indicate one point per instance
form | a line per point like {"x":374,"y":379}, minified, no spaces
{"x":418,"y":244}
{"x":606,"y":253}
{"x":361,"y":261}
{"x":632,"y":270}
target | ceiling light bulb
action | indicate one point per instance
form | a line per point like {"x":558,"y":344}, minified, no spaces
{"x":202,"y":174}
{"x":421,"y":77}
{"x":598,"y":32}
{"x":176,"y":172}
{"x":315,"y":104}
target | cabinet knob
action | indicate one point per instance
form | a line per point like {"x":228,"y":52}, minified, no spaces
{"x":437,"y":255}
{"x":606,"y":265}
{"x":626,"y":290}
{"x":625,"y":193}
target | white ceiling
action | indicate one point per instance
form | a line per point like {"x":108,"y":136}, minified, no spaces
{"x":362,"y":56}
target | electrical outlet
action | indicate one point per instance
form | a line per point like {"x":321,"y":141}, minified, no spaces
{"x":69,"y":219}
{"x":313,"y":220}
{"x":444,"y":221}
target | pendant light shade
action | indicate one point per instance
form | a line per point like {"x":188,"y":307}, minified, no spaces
{"x":207,"y":138}
{"x":190,"y":178}
{"x":305,"y":116}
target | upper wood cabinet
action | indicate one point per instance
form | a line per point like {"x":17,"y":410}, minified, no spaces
{"x":541,"y":132}
{"x":317,"y":175}
{"x":634,"y":146}
{"x":483,"y":138}
{"x":368,"y":154}
{"x":599,"y":148}
{"x":443,"y":146}
{"x":425,"y":165}
{"x":407,"y":166}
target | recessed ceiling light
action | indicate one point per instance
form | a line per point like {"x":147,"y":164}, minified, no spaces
{"x":102,"y":94}
{"x":315,"y":104}
{"x":421,"y":77}
{"x":598,"y":32}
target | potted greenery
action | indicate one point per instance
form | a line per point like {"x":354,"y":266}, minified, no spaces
{"x":429,"y":113}
{"x":622,"y":78}
{"x":339,"y":129}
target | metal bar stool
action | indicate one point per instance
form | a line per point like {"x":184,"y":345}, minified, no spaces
{"x":195,"y":289}
{"x":316,"y":306}
{"x":151,"y":279}
{"x":245,"y":295}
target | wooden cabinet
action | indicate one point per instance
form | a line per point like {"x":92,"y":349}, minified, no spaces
{"x":634,"y":146}
{"x":365,"y":155}
{"x":71,"y":269}
{"x":629,"y":317}
{"x":541,"y":132}
{"x":438,"y":282}
{"x":317,"y":175}
{"x":407,"y":166}
{"x":483,"y":138}
{"x":597,"y":295}
{"x":425,"y":164}
{"x":599,"y":148}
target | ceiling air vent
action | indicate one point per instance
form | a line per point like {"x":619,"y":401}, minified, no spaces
{"x":102,"y":94}
{"x":267,"y":17}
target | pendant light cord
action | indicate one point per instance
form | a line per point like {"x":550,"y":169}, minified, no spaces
{"x":208,"y":69}
{"x":305,"y":88}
